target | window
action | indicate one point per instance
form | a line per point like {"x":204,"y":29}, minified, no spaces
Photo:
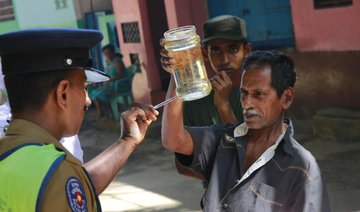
{"x":131,"y":32}
{"x":321,"y":4}
{"x":6,"y":10}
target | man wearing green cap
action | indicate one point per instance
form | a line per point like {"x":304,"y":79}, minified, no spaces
{"x":46,"y":74}
{"x":225,"y":47}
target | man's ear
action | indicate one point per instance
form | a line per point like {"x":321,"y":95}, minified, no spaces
{"x":288,"y":96}
{"x":247,"y":49}
{"x":205,"y":54}
{"x":62,"y":93}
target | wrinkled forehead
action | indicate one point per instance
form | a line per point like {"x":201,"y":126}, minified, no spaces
{"x":256,"y":78}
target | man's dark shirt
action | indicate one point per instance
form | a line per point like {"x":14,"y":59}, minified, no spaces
{"x":290,"y":181}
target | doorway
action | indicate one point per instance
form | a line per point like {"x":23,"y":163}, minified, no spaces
{"x":158,"y":25}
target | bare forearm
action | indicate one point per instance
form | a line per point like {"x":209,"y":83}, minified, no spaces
{"x":174,"y":136}
{"x":104,"y":167}
{"x":227,"y":114}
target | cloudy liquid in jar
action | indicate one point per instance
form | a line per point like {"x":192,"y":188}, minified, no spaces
{"x":190,"y":74}
{"x":189,"y":71}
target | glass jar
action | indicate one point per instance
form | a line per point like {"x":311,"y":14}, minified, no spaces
{"x":189,"y":71}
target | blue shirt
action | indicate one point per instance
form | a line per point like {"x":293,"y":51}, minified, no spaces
{"x":289,"y":181}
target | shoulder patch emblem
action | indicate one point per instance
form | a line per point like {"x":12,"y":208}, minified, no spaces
{"x":76,"y":195}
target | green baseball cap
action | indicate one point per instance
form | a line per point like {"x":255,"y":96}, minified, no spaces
{"x":226,"y":27}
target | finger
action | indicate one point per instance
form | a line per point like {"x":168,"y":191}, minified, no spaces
{"x":213,"y":78}
{"x":224,"y":79}
{"x":155,"y":112}
{"x":144,"y":123}
{"x":219,"y":80}
{"x":133,"y":114}
{"x":225,"y":76}
{"x":167,"y":68}
{"x":167,"y":65}
{"x":167,"y":60}
{"x":165,"y":53}
{"x":141,"y":116}
{"x":162,"y":41}
{"x":150,"y":112}
{"x":215,"y":85}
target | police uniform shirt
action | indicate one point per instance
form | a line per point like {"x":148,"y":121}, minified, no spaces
{"x":57,"y":195}
{"x":72,"y":144}
{"x":288,"y":180}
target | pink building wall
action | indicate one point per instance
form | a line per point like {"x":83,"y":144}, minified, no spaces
{"x":148,"y":79}
{"x":186,"y":12}
{"x":331,"y":29}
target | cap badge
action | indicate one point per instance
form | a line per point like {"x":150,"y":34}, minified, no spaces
{"x":68,"y":61}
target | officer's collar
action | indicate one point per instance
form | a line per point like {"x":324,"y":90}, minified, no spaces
{"x":37,"y":134}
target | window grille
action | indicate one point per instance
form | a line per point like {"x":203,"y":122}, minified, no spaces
{"x":131,"y":32}
{"x":6,"y":11}
{"x":322,"y":4}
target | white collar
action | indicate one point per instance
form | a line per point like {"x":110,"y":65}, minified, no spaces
{"x":269,"y":153}
{"x":243,"y":129}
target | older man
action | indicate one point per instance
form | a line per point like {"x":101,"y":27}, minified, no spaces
{"x":256,"y":165}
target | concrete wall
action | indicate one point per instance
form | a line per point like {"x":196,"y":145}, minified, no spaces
{"x":8,"y":26}
{"x":148,"y":79}
{"x":326,"y":79}
{"x":186,"y":12}
{"x":84,"y":6}
{"x":326,"y":29}
{"x":42,"y":13}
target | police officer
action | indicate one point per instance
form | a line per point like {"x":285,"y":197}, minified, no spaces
{"x":46,"y":74}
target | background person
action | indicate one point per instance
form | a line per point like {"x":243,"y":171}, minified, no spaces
{"x":105,"y":93}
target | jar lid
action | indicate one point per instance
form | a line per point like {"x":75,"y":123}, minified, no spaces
{"x":180,"y":33}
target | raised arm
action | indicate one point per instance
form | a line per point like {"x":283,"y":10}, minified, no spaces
{"x":106,"y":165}
{"x":173,"y":134}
